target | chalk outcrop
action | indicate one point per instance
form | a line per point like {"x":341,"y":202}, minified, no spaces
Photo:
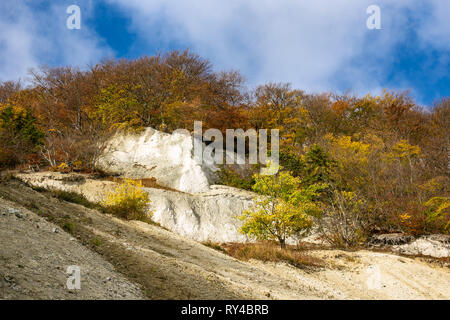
{"x":154,"y":154}
{"x":206,"y":216}
{"x":194,"y":207}
{"x":435,"y":245}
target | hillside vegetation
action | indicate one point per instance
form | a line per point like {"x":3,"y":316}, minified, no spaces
{"x":381,"y":161}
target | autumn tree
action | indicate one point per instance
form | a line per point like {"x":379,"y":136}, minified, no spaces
{"x":19,"y":135}
{"x":277,"y":106}
{"x":8,"y":89}
{"x":283,"y":208}
{"x":346,"y":220}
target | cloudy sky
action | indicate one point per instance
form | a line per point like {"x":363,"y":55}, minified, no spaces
{"x":317,"y":45}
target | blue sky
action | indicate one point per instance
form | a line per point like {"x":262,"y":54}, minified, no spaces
{"x":317,"y":45}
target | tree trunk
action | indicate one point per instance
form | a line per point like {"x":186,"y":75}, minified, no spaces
{"x":282,"y":243}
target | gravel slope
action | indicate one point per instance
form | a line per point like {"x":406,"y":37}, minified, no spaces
{"x":34,"y":257}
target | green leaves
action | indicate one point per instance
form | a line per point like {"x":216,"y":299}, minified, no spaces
{"x":283,"y":208}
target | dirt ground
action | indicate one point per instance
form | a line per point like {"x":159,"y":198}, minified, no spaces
{"x":35,"y":255}
{"x":133,"y":260}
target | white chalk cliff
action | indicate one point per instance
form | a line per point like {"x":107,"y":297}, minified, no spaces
{"x":195,"y":208}
{"x":205,"y":216}
{"x":167,"y":157}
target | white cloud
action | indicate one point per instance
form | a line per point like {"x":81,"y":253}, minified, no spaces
{"x":15,"y":42}
{"x":316,"y":45}
{"x":33,"y":36}
{"x":436,"y":29}
{"x":298,"y":41}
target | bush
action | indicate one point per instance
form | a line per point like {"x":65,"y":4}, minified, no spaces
{"x":438,"y":214}
{"x":63,"y":168}
{"x":432,"y":216}
{"x":68,"y":226}
{"x":238,"y":177}
{"x":128,"y":201}
{"x":346,"y":220}
{"x":292,"y":163}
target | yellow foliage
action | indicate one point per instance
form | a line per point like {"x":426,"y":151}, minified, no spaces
{"x":403,"y":150}
{"x":282,"y":210}
{"x":433,"y":185}
{"x":78,"y":164}
{"x":404,"y":217}
{"x":128,"y":201}
{"x":63,"y":167}
{"x":16,"y":109}
{"x":439,"y":212}
{"x":349,"y":152}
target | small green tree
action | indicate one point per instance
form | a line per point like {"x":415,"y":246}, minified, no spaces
{"x":283,"y":208}
{"x":19,"y":135}
{"x":317,"y":166}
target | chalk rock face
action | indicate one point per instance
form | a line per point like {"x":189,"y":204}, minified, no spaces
{"x":167,"y":157}
{"x":391,"y":239}
{"x":209,"y":216}
{"x":205,"y":216}
{"x":437,"y":246}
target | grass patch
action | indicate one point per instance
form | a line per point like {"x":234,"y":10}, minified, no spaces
{"x":74,"y":197}
{"x":37,"y":189}
{"x":31,"y":206}
{"x":97,"y":242}
{"x":214,"y":246}
{"x":145,"y":182}
{"x":271,"y":252}
{"x":68,"y":226}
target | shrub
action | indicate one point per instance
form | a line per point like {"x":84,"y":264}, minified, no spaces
{"x":128,"y":201}
{"x":242,"y":178}
{"x":291,"y":163}
{"x":432,"y":216}
{"x":346,"y":220}
{"x":68,"y":226}
{"x":438,"y":214}
{"x":63,"y":168}
{"x":97,"y":242}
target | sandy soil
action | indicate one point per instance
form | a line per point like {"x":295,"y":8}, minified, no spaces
{"x":35,"y":255}
{"x":167,"y":266}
